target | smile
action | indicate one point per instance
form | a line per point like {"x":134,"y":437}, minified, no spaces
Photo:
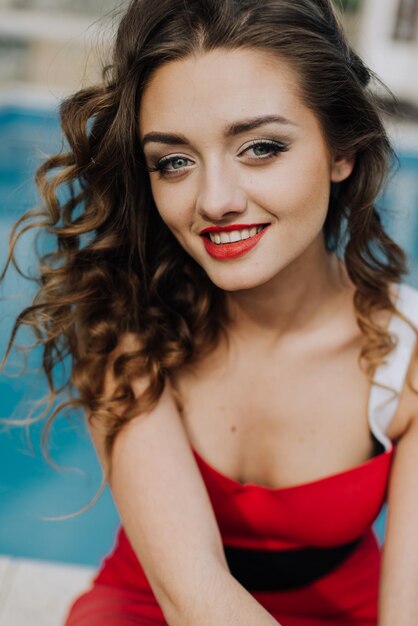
{"x":222,"y":245}
{"x":234,"y":236}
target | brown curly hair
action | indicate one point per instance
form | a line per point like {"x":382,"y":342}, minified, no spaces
{"x":116,"y":269}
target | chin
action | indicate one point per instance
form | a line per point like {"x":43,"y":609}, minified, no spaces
{"x":238,"y":283}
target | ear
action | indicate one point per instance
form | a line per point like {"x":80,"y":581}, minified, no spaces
{"x":341,"y":168}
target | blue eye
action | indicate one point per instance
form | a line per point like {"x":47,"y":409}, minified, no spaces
{"x":266,"y":149}
{"x":176,"y":163}
{"x":170,"y":165}
{"x":262,"y":149}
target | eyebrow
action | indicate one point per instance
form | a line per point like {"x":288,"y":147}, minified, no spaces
{"x":237,"y":128}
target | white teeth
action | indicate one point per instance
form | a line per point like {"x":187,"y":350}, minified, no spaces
{"x":235,"y":235}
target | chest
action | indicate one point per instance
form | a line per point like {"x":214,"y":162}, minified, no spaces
{"x":281,"y":418}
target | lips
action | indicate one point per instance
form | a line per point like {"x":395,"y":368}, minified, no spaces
{"x":230,"y":228}
{"x":231,"y":250}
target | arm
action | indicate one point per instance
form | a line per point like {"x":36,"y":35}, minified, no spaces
{"x":169,"y":520}
{"x":398,"y":600}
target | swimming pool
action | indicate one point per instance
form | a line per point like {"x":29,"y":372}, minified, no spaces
{"x":29,"y":489}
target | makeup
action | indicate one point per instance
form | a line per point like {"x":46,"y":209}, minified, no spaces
{"x":233,"y":250}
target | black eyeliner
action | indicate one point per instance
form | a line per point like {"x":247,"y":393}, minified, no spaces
{"x":276,"y":146}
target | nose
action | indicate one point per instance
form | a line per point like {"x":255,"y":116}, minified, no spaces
{"x":220,"y":192}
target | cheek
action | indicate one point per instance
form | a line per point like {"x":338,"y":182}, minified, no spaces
{"x":297,"y":190}
{"x":173,"y":209}
{"x":158,"y":197}
{"x":166,"y":205}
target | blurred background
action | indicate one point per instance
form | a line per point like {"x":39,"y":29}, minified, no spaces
{"x":49,"y":48}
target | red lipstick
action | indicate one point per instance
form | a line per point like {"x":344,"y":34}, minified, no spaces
{"x":231,"y":250}
{"x":230,"y":228}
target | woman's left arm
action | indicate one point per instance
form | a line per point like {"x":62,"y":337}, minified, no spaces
{"x":398,"y":596}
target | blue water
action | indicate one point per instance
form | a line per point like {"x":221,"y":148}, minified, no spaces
{"x":30,"y":490}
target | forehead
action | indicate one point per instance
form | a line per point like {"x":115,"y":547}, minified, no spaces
{"x":219,"y":86}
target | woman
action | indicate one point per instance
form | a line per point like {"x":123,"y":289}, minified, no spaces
{"x":240,"y":338}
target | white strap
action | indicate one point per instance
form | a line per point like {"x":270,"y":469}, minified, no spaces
{"x":392,"y":374}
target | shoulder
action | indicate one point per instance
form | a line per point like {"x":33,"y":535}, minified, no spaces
{"x":405,"y":327}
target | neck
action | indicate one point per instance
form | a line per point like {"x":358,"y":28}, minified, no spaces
{"x":302,"y":296}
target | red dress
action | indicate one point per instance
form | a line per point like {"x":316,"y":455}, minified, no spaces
{"x":333,"y":511}
{"x":307,"y":553}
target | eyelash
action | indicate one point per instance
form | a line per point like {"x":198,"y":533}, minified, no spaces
{"x":276,"y":147}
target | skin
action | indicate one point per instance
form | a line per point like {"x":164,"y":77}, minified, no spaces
{"x":293,"y":322}
{"x":290,"y":300}
{"x":222,"y":180}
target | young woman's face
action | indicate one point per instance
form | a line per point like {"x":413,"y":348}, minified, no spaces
{"x":232,"y":148}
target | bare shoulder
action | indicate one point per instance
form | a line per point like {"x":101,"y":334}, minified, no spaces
{"x":161,"y":424}
{"x":160,"y":493}
{"x":128,"y":343}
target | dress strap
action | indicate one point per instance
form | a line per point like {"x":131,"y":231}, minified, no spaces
{"x":392,"y":373}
